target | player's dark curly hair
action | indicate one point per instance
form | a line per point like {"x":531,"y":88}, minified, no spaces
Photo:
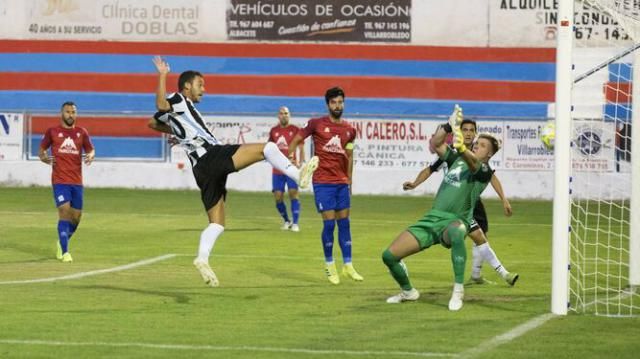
{"x":186,"y":77}
{"x":333,"y":92}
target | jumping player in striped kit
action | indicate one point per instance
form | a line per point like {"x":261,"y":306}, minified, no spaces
{"x":211,"y":160}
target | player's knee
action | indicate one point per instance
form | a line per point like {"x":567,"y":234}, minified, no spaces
{"x":343,"y":224}
{"x":388,"y":258}
{"x":454,"y":235}
{"x":478,"y":237}
{"x":328,"y":225}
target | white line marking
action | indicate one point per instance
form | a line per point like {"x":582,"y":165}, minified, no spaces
{"x":93,"y":272}
{"x":241,"y":348}
{"x":508,"y":336}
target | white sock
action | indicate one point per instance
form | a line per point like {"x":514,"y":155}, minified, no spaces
{"x":273,"y":155}
{"x":490,"y":256}
{"x":208,"y":238}
{"x":476,"y":262}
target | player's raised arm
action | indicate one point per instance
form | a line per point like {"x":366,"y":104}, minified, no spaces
{"x":161,"y":93}
{"x":497,"y":186}
{"x":439,"y":138}
{"x":466,"y":154}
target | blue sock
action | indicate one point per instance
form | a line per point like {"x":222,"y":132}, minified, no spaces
{"x":327,"y":239}
{"x":282,"y":209}
{"x":63,"y":235}
{"x":344,"y":238}
{"x":72,"y":228}
{"x":295,"y":210}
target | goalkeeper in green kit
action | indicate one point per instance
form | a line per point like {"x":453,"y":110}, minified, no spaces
{"x":447,"y":221}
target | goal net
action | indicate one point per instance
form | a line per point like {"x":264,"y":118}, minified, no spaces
{"x":601,"y":254}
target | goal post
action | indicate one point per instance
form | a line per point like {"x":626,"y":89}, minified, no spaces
{"x":596,"y":210}
{"x":561,"y":206}
{"x":634,"y":247}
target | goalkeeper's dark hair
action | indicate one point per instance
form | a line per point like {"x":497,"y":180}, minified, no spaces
{"x":187,"y":77}
{"x":332,"y":93}
{"x":494,"y":141}
{"x":466,"y":120}
{"x":67,"y":103}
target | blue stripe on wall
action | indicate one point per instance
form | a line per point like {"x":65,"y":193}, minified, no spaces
{"x":121,"y":147}
{"x":138,"y":64}
{"x":620,"y":72}
{"x":618,"y":112}
{"x":137,"y":103}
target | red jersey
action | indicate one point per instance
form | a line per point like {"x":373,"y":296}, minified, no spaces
{"x":282,"y":136}
{"x":329,"y":142}
{"x":66,"y":148}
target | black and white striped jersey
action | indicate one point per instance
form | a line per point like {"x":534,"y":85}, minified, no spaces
{"x":187,"y":125}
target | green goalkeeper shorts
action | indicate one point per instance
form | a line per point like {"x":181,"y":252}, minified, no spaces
{"x":430,"y":228}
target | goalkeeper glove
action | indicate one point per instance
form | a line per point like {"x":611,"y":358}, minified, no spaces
{"x":456,"y":117}
{"x":458,"y":140}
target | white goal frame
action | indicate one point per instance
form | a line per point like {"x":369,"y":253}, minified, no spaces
{"x":562,"y":157}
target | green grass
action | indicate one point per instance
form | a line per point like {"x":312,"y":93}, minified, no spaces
{"x":273,"y":291}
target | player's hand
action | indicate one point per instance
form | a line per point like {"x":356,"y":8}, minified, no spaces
{"x":46,"y":159}
{"x":455,"y":119}
{"x":408,"y":186}
{"x":507,"y":208}
{"x":172,"y":140}
{"x":89,"y":157}
{"x":161,"y":65}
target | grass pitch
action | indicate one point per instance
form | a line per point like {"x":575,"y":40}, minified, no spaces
{"x":274,"y":300}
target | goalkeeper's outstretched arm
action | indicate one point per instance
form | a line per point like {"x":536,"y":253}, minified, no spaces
{"x":439,"y":138}
{"x":422,"y":176}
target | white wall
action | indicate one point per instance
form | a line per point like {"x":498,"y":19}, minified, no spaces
{"x":517,"y":184}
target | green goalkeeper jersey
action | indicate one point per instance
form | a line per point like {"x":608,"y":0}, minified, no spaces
{"x":460,"y":188}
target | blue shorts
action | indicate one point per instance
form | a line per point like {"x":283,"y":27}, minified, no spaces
{"x":278,"y":182}
{"x":63,"y":193}
{"x":331,"y":197}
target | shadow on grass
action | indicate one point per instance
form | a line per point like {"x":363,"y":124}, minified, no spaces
{"x":177,"y":297}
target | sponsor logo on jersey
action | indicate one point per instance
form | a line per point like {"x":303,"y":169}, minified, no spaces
{"x":453,"y":176}
{"x":282,"y":143}
{"x":68,"y":146}
{"x":334,"y":145}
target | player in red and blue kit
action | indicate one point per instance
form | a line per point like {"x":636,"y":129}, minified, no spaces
{"x":67,"y":142}
{"x":281,"y":135}
{"x":333,"y":139}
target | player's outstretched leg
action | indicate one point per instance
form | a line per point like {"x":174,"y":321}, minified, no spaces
{"x":249,"y":154}
{"x":482,"y":251}
{"x":399,"y":272}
